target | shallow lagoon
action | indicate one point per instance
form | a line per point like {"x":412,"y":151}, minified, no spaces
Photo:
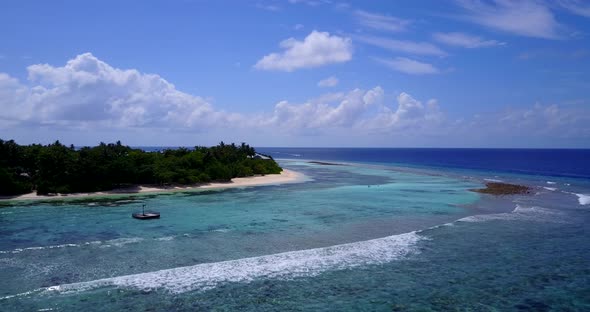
{"x":403,"y":248}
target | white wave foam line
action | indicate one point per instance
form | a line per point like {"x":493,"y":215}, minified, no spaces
{"x":550,"y":188}
{"x":520,"y":213}
{"x":23,"y":294}
{"x":493,"y":180}
{"x":285,"y":265}
{"x":118,"y":242}
{"x":165,"y":238}
{"x":583,"y":199}
{"x":551,"y":182}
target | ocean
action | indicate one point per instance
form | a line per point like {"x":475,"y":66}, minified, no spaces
{"x":368,"y":230}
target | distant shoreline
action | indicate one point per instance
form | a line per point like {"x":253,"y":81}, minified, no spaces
{"x":286,"y":176}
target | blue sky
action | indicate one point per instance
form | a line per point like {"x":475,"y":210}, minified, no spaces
{"x":297,"y":72}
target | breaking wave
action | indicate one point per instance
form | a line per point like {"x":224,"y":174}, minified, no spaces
{"x":285,"y":265}
{"x":520,"y":213}
{"x":583,"y":199}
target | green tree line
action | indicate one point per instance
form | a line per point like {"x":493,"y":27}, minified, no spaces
{"x":56,"y":168}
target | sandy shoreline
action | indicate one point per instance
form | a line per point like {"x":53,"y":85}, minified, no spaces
{"x":287,"y":176}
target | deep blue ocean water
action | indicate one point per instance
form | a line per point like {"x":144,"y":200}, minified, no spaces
{"x":383,"y":230}
{"x":549,"y":162}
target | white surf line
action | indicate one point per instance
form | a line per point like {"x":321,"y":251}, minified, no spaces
{"x":117,"y":242}
{"x":301,"y":263}
{"x":520,"y":213}
{"x":583,"y":199}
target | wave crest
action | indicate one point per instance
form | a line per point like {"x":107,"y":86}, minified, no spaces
{"x":291,"y":264}
{"x":117,"y":242}
{"x":520,"y":213}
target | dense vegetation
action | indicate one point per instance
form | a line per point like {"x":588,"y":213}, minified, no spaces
{"x":56,"y":168}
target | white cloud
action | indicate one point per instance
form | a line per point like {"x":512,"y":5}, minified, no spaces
{"x":409,"y":66}
{"x":576,"y":7}
{"x":92,"y":96}
{"x":89,"y":91}
{"x":359,"y":112}
{"x":298,"y":26}
{"x":330,"y":111}
{"x":317,"y":49}
{"x":13,"y":96}
{"x":465,"y":40}
{"x":328,"y":82}
{"x":409,"y":113}
{"x":409,"y":47}
{"x":528,"y":18}
{"x":381,"y":22}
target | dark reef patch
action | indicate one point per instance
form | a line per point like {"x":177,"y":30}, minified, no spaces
{"x":498,"y":188}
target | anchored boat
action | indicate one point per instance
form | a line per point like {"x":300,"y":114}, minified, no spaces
{"x":146,"y":215}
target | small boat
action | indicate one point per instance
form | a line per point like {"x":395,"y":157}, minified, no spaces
{"x":146,"y":215}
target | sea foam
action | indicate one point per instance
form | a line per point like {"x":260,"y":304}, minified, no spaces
{"x":117,"y":242}
{"x":583,"y":199}
{"x":520,"y":213}
{"x":285,"y":265}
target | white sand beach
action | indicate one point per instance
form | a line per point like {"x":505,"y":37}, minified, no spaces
{"x":286,"y":176}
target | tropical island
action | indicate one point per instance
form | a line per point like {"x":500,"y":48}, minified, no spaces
{"x":59,"y":169}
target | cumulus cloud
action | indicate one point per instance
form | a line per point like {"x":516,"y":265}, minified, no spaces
{"x":88,"y":90}
{"x":409,"y":47}
{"x":13,"y":98}
{"x":381,"y":22}
{"x":527,"y":18}
{"x":317,"y":49}
{"x":409,"y":66}
{"x":340,"y":110}
{"x":328,"y":82}
{"x":465,"y":40}
{"x":359,"y":112}
{"x":89,"y":94}
{"x":409,"y":114}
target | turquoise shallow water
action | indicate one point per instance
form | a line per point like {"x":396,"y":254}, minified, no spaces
{"x":355,"y":237}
